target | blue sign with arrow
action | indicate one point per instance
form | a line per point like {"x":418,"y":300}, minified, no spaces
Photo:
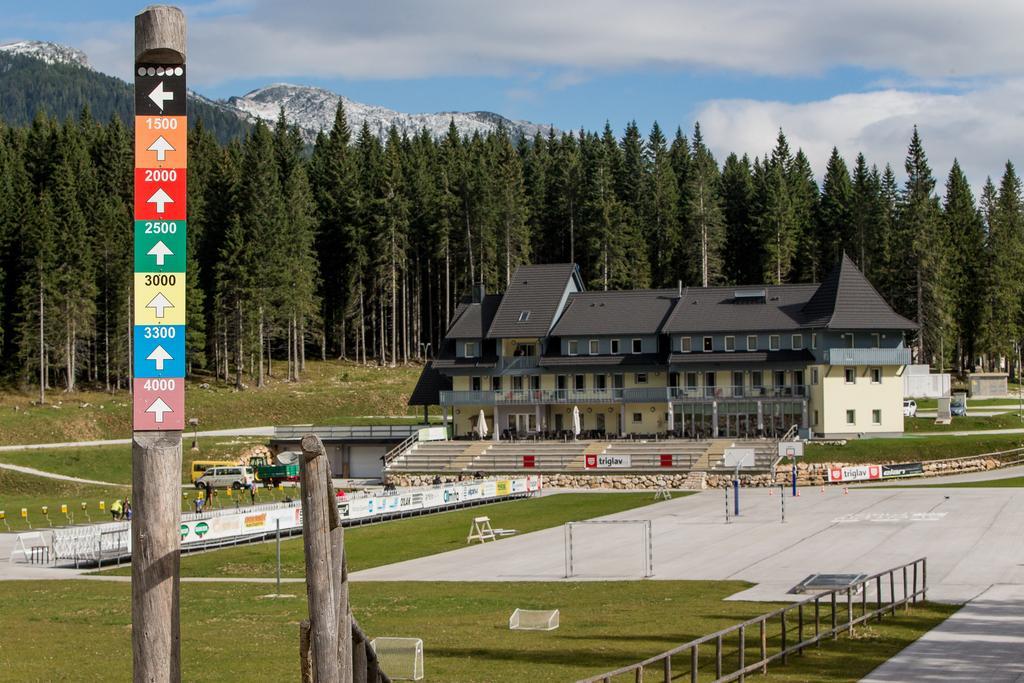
{"x":159,"y":351}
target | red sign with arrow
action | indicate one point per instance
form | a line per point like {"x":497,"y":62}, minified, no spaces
{"x":160,"y":194}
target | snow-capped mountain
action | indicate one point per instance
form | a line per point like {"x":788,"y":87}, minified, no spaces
{"x":51,"y":53}
{"x":313,"y":109}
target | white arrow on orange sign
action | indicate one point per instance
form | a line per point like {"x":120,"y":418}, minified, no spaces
{"x":159,"y":355}
{"x":160,"y":198}
{"x":161,"y":147}
{"x":159,"y":303}
{"x":158,"y":408}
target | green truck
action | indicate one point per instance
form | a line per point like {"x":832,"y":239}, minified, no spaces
{"x":271,"y":474}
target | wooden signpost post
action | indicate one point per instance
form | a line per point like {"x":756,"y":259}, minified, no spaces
{"x":158,"y":410}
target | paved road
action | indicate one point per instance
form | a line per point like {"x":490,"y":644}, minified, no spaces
{"x":50,"y":475}
{"x":984,"y":641}
{"x":237,"y":431}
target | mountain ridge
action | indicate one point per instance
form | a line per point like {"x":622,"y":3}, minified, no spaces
{"x":310,"y":108}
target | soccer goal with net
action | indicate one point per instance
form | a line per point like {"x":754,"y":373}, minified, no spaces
{"x":400,"y":658}
{"x":610,"y":548}
{"x":533,"y":620}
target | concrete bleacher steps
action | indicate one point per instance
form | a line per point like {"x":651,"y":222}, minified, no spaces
{"x":570,"y":456}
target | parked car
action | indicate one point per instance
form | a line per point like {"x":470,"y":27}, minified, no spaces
{"x":957,"y":409}
{"x":909,"y":408}
{"x":237,"y":477}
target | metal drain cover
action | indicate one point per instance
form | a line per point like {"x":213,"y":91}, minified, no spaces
{"x":827,"y":582}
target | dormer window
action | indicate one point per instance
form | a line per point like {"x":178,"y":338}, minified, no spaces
{"x":684,"y":345}
{"x":573,"y":347}
{"x":594,"y":347}
{"x":638,"y":346}
{"x":469,"y":349}
{"x":524,"y":316}
{"x":615,"y":345}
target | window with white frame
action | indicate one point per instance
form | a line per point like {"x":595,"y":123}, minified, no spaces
{"x":876,"y":340}
{"x":496,"y":383}
{"x":579,"y":382}
{"x":615,"y":345}
{"x":524,"y":316}
{"x":469,"y":349}
{"x":640,"y":378}
{"x":730,"y":343}
{"x":474,"y":383}
{"x":638,"y":417}
{"x":851,"y":417}
{"x":574,"y":347}
{"x":814,"y":340}
{"x":638,"y":346}
{"x":797,"y":342}
{"x":814,"y":375}
{"x":684,"y":345}
{"x":876,"y":375}
{"x":751,"y":342}
{"x":595,"y":347}
{"x":773,"y":342}
{"x":708,"y":343}
{"x":876,"y":417}
{"x":851,"y":376}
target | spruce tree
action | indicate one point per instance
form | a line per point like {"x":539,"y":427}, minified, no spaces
{"x":835,"y":213}
{"x":963,"y":224}
{"x":661,"y":211}
{"x":741,"y":264}
{"x":704,"y":236}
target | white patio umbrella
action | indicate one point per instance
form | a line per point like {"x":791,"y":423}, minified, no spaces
{"x":576,"y":421}
{"x":481,"y":425}
{"x":671,"y":418}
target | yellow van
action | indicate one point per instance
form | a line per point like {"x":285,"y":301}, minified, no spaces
{"x":200,"y":466}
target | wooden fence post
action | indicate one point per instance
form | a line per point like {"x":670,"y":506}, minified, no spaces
{"x":320,"y":595}
{"x":339,"y":573}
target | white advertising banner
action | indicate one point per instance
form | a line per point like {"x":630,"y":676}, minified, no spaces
{"x":855,"y":473}
{"x":593,"y":460}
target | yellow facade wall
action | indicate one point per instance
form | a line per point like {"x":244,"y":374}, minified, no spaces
{"x":863,"y":396}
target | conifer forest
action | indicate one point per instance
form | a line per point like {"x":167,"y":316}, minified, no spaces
{"x":362,"y":249}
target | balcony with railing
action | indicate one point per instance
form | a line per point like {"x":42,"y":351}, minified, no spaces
{"x":509,"y":364}
{"x":867,"y":356}
{"x":632,"y":395}
{"x":737,"y":391}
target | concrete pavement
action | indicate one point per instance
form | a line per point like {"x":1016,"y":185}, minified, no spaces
{"x":971,"y":538}
{"x":984,"y":641}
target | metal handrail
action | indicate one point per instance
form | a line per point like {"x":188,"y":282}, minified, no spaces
{"x":400,"y":448}
{"x":911,"y":592}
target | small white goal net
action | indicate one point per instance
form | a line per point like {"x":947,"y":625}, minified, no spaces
{"x":609,"y":549}
{"x":400,"y":658}
{"x":533,"y":620}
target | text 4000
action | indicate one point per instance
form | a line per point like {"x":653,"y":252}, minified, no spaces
{"x":160,"y":385}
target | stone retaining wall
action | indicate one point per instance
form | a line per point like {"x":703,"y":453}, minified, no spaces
{"x":808,"y":474}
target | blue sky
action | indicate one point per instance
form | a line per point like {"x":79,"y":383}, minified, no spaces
{"x":855,"y":75}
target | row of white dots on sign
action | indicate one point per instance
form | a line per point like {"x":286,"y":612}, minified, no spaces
{"x":161,"y":71}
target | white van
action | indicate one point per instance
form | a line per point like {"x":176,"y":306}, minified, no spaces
{"x":226,"y":477}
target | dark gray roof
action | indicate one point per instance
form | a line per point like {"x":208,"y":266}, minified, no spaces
{"x":629,"y":359}
{"x":640,"y":311}
{"x":714,"y":309}
{"x":472,"y":320}
{"x":847,"y":301}
{"x":429,"y":386}
{"x":537,"y":289}
{"x":733,"y":357}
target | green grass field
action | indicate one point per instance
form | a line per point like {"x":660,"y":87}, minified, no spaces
{"x":1011,"y":420}
{"x":19,"y":490}
{"x":1012,"y":400}
{"x":406,"y":539}
{"x":114,"y":463}
{"x":912,"y":449}
{"x":332,"y":392}
{"x":229,"y":633}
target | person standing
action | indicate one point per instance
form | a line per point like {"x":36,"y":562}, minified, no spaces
{"x":252,"y":492}
{"x":115,"y":509}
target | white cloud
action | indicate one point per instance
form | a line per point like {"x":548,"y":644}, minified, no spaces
{"x":982,"y":128}
{"x":927,"y":39}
